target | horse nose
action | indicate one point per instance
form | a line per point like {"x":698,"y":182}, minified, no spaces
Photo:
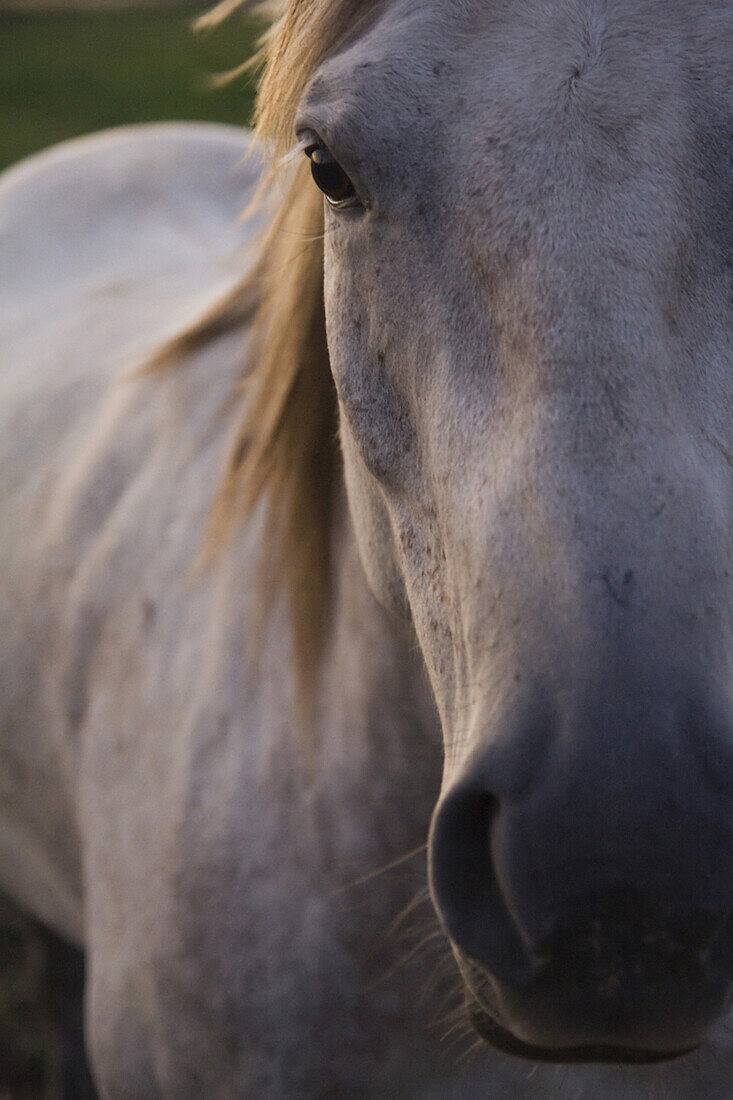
{"x":586,"y":943}
{"x":466,"y":887}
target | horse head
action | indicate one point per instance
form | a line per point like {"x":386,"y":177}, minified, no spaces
{"x":528,"y":240}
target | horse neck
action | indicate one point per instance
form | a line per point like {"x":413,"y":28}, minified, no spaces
{"x":377,"y":740}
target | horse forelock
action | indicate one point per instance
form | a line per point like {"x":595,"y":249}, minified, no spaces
{"x":284,"y":449}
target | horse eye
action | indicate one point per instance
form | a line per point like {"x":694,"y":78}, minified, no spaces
{"x":329,"y":175}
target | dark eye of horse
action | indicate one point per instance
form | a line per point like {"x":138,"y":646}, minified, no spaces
{"x":329,"y":175}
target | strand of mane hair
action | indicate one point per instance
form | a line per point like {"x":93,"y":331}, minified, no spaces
{"x":285,"y":449}
{"x":304,"y":33}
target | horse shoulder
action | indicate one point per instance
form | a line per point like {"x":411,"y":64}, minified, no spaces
{"x":108,"y":245}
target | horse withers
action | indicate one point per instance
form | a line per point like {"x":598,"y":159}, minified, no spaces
{"x":514,"y":306}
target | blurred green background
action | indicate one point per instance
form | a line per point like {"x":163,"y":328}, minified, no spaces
{"x":64,"y":73}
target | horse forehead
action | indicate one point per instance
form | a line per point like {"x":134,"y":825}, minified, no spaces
{"x":540,"y":132}
{"x":478,"y":63}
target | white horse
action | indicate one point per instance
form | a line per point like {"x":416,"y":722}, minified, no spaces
{"x":239,"y":655}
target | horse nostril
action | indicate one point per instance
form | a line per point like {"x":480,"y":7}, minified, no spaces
{"x":466,"y":891}
{"x":611,"y":934}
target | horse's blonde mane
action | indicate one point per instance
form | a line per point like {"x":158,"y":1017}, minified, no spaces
{"x":285,"y":447}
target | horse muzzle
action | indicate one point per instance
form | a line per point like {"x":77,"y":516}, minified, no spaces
{"x":590,"y":909}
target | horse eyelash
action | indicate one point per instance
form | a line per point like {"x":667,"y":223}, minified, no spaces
{"x":293,"y":155}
